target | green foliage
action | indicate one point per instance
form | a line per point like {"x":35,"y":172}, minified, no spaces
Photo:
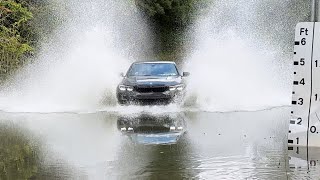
{"x":169,"y":20}
{"x":178,"y":13}
{"x":23,"y":24}
{"x":13,"y":14}
{"x":13,"y":45}
{"x":46,"y":17}
{"x":12,"y":18}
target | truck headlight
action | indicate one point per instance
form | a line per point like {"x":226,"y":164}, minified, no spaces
{"x":129,"y":88}
{"x":125,"y":88}
{"x":172,"y":88}
{"x":177,"y":87}
{"x":122,"y":87}
{"x":180,"y":87}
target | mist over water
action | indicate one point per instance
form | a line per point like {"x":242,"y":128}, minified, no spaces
{"x":231,"y":76}
{"x":80,"y":70}
{"x":241,"y":59}
{"x":236,"y":63}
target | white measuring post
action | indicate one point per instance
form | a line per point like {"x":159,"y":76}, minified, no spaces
{"x":304,"y":128}
{"x":304,"y":125}
{"x":302,"y":85}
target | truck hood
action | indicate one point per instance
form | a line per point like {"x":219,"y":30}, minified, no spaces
{"x":152,"y":81}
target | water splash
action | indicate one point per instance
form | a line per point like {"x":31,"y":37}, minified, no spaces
{"x":81,"y":66}
{"x":241,"y":60}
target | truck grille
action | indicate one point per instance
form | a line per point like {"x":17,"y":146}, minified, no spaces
{"x":151,"y":89}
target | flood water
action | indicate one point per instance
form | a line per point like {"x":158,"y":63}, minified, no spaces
{"x":175,"y":145}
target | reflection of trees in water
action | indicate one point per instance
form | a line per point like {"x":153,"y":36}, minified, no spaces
{"x":21,"y":156}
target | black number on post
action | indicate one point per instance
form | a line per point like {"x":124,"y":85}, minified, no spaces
{"x":313,"y":163}
{"x":303,"y":41}
{"x":302,"y":62}
{"x":316,"y":97}
{"x":299,"y":121}
{"x":313,"y":129}
{"x":302,"y":81}
{"x":316,"y":63}
{"x":297,"y":140}
{"x":300,"y":101}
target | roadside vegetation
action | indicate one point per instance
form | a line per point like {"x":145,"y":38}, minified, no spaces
{"x":14,"y":45}
{"x":169,"y":21}
{"x":23,"y":24}
{"x":19,"y":157}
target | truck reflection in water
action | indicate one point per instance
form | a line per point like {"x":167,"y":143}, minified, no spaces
{"x":153,"y":129}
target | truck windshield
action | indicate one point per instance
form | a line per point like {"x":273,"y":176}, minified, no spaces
{"x":153,"y":69}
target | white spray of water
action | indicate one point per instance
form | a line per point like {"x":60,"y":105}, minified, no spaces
{"x":231,"y":68}
{"x":82,"y":66}
{"x":234,"y":69}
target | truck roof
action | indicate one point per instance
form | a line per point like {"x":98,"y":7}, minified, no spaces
{"x":155,"y":62}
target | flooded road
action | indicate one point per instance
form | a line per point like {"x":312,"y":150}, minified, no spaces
{"x":183,"y":145}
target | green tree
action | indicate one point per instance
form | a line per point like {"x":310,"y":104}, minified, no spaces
{"x":12,"y":18}
{"x":169,"y":20}
{"x":13,"y":46}
{"x":23,"y":24}
{"x":171,"y":13}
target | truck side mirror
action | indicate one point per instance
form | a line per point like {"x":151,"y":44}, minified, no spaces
{"x":185,"y":74}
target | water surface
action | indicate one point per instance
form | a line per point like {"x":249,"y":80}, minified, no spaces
{"x":181,"y":145}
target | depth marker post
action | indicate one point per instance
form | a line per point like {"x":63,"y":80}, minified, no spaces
{"x":304,"y":124}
